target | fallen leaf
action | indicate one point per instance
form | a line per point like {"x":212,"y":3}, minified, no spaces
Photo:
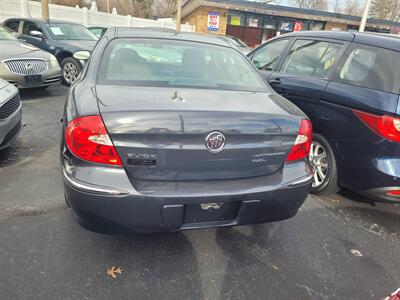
{"x":356,"y":252}
{"x":113,"y":271}
{"x":275,"y":267}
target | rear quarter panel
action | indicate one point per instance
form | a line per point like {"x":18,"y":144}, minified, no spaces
{"x":355,"y":145}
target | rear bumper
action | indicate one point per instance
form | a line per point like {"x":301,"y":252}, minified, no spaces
{"x":373,"y":176}
{"x":385,"y":177}
{"x":124,"y":209}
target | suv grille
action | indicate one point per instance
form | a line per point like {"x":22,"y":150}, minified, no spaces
{"x":30,"y":66}
{"x":10,"y":107}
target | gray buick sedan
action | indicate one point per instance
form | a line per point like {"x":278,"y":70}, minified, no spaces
{"x":167,"y":131}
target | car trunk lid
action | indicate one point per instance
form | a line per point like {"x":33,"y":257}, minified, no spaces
{"x":160,"y":133}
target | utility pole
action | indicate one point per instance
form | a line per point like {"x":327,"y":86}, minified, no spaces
{"x":365,"y":15}
{"x":178,"y":15}
{"x":44,"y":5}
{"x":108,"y":6}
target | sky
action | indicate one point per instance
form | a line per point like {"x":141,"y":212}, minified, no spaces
{"x":331,"y":2}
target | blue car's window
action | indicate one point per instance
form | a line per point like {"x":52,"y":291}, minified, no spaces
{"x":311,"y":58}
{"x":159,"y":62}
{"x":371,"y":67}
{"x":267,"y":57}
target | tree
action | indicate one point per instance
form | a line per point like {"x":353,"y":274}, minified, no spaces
{"x":385,"y":9}
{"x":336,"y":7}
{"x":352,"y":7}
{"x":164,"y":8}
{"x":312,"y":4}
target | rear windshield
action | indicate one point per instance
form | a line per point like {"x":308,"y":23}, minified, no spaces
{"x":169,"y":63}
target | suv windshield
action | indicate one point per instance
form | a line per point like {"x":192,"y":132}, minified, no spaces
{"x":169,"y":63}
{"x":5,"y":35}
{"x":66,"y":31}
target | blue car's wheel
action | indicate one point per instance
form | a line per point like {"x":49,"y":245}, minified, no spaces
{"x":324,"y":164}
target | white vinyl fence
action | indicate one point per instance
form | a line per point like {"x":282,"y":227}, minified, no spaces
{"x":25,"y":8}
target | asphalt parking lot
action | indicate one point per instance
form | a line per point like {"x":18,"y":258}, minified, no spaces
{"x":336,"y":247}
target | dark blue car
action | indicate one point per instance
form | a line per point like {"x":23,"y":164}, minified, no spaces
{"x":60,"y":38}
{"x":348,"y":84}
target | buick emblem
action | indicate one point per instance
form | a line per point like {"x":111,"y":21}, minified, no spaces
{"x":28,"y":67}
{"x":215,"y":142}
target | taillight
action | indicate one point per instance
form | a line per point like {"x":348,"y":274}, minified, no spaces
{"x":386,"y":126}
{"x":302,"y":145}
{"x":394,"y":193}
{"x":88,"y":139}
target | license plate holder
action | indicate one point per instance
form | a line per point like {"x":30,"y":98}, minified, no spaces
{"x":33,"y":79}
{"x":210,"y":212}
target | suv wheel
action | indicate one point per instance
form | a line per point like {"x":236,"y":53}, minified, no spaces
{"x":70,"y":70}
{"x":324,"y":164}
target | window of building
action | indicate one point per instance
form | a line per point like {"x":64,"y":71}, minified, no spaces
{"x":269,"y":23}
{"x":286,"y":25}
{"x":306,"y":25}
{"x":267,"y":57}
{"x":371,"y":67}
{"x":236,"y":19}
{"x":254,"y":21}
{"x":311,"y":58}
{"x":317,"y":26}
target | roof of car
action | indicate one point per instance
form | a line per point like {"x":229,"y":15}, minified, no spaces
{"x":124,"y":32}
{"x":52,"y":21}
{"x":389,"y":41}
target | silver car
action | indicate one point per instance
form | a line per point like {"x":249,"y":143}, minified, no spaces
{"x":26,"y":66}
{"x":10,"y":114}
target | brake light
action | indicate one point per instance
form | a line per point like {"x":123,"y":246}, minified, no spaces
{"x":88,"y":139}
{"x":394,"y":193}
{"x":386,"y":126}
{"x":302,"y":145}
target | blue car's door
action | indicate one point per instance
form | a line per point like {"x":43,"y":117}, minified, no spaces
{"x":303,"y":74}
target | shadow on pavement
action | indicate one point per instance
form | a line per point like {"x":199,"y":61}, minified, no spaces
{"x":40,"y":93}
{"x":41,"y":112}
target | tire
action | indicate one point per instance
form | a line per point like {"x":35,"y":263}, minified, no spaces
{"x":324,"y":163}
{"x":70,"y":70}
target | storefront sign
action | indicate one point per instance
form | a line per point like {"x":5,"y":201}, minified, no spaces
{"x":253,"y":22}
{"x":298,"y":26}
{"x":286,"y":26}
{"x":213,"y":21}
{"x":235,"y":21}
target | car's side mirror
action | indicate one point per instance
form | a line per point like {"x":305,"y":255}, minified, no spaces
{"x":82,"y":55}
{"x":36,"y":33}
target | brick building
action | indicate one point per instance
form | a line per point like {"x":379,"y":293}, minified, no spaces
{"x":256,"y":22}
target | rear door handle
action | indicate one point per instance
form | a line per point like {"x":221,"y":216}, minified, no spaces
{"x":275,"y":81}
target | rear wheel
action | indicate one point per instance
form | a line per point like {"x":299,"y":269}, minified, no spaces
{"x":324,"y":164}
{"x":70,"y":70}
